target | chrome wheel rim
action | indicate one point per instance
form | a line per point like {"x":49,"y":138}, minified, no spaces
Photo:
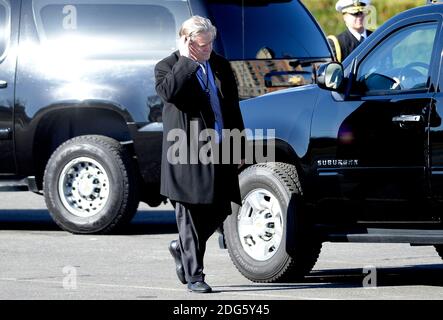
{"x":260,"y":224}
{"x":84,"y":187}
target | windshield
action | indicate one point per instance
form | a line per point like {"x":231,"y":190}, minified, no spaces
{"x":267,"y":29}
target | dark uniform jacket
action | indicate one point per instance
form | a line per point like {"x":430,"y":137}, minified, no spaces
{"x":347,"y":43}
{"x":185,"y":101}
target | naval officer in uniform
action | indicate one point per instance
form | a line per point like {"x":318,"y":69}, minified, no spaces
{"x":354,"y":13}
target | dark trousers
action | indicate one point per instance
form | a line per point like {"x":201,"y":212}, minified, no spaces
{"x":196,"y":223}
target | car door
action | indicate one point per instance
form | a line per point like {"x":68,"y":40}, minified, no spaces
{"x":380,"y":130}
{"x":8,"y":38}
{"x":436,"y":135}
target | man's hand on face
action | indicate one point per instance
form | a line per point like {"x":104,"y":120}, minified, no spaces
{"x":198,"y":49}
{"x":187,"y":48}
{"x":194,"y":52}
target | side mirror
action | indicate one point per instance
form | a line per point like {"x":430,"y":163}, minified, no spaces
{"x":330,"y":76}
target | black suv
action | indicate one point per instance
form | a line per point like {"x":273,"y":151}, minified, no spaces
{"x":358,"y":157}
{"x":80,"y":120}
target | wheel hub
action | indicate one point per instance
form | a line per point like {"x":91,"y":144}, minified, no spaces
{"x":264,"y":225}
{"x":260,"y":224}
{"x":84,"y":187}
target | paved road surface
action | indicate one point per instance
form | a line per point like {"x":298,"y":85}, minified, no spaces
{"x":39,"y":261}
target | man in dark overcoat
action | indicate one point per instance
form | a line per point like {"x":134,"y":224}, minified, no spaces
{"x":199,"y":92}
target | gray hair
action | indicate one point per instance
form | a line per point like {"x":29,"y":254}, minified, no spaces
{"x":197,"y":25}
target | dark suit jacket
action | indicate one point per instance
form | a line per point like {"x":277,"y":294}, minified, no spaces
{"x":347,"y":43}
{"x":185,"y":101}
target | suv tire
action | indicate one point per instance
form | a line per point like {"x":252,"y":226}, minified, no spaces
{"x":90,"y":185}
{"x":268,"y":238}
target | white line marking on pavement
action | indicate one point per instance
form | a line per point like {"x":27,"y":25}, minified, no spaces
{"x":258,"y":295}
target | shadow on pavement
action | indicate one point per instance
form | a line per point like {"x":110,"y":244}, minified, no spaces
{"x":144,"y":222}
{"x":152,"y":222}
{"x":412,"y":275}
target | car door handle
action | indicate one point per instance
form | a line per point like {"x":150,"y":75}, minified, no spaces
{"x":3,"y":84}
{"x":408,"y":118}
{"x":5,"y":134}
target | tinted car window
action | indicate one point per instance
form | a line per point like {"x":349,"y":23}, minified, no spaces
{"x":102,"y":28}
{"x":5,"y":13}
{"x":268,"y":40}
{"x":401,"y":62}
{"x":279,"y":27}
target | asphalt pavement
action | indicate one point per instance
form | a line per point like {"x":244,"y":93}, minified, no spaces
{"x":39,"y":261}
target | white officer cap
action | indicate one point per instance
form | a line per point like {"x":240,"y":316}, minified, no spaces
{"x":352,"y":6}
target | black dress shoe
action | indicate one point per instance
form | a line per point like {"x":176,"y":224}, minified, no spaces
{"x":199,"y":287}
{"x":175,"y":252}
